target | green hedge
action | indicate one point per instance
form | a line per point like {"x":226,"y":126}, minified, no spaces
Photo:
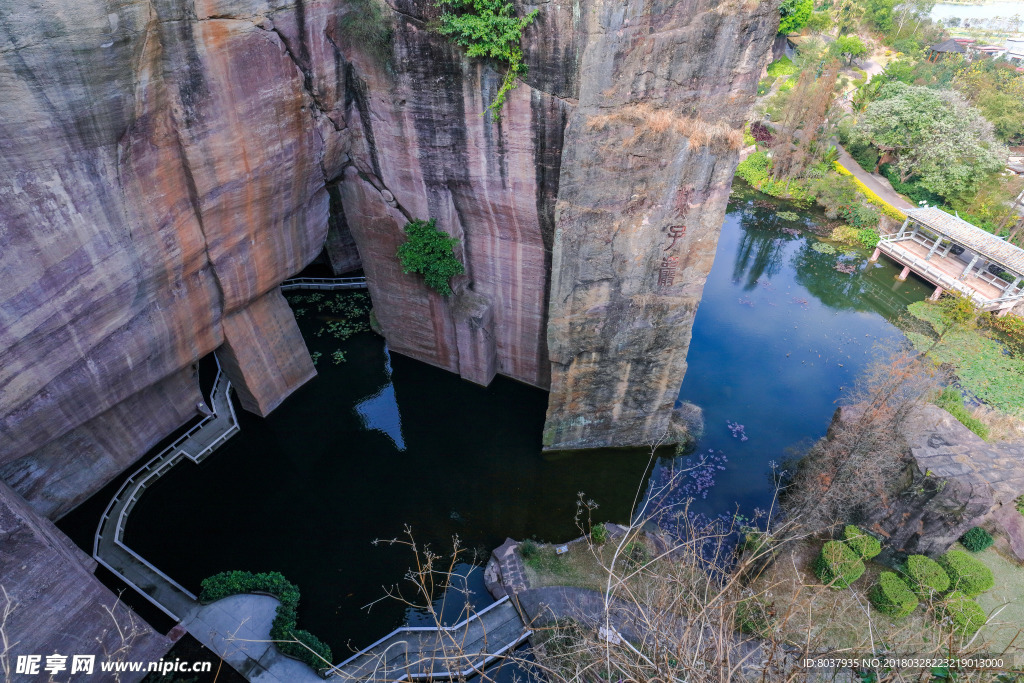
{"x":837,"y":565}
{"x":967,"y":616}
{"x":283,"y":630}
{"x":976,"y":539}
{"x":926,"y":575}
{"x":892,"y":596}
{"x":865,"y":545}
{"x":966,"y":574}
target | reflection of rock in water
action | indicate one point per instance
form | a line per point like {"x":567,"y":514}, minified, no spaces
{"x":380,"y":411}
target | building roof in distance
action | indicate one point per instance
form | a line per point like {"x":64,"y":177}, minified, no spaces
{"x":974,"y":238}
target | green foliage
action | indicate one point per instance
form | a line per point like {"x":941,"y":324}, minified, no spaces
{"x":952,"y":401}
{"x":927,"y":576}
{"x":636,"y":554}
{"x":342,"y":314}
{"x":755,"y":616}
{"x":966,"y":574}
{"x":365,"y":24}
{"x":850,"y":46}
{"x":338,"y":356}
{"x":862,"y":216}
{"x":892,"y":596}
{"x":1009,"y":329}
{"x":754,"y":169}
{"x":283,"y":630}
{"x":966,"y":615}
{"x":976,"y":539}
{"x":490,"y":29}
{"x":782,"y":66}
{"x":528,"y":549}
{"x":864,"y":154}
{"x":794,"y":14}
{"x":935,"y":135}
{"x":1020,"y":504}
{"x":997,"y":89}
{"x":980,"y":363}
{"x":430,"y":252}
{"x":911,"y":188}
{"x":819,"y":22}
{"x":788,"y":215}
{"x":837,"y":565}
{"x":599,"y":533}
{"x":864,"y":544}
{"x":823,"y":248}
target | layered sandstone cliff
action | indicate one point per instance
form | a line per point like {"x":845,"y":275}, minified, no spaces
{"x":167,"y":163}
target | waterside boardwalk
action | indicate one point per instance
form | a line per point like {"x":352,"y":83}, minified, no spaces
{"x":954,"y":255}
{"x":237,"y":628}
{"x":109,"y":548}
{"x":421,"y":653}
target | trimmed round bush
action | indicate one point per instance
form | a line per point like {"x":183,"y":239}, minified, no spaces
{"x":967,"y":616}
{"x":966,"y":574}
{"x":892,"y":596}
{"x":927,"y":576}
{"x":976,"y":539}
{"x":864,"y":544}
{"x":837,"y":565}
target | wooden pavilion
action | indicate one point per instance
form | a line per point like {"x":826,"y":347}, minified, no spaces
{"x":954,"y":255}
{"x":945,"y":49}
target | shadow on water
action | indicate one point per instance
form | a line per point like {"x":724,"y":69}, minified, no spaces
{"x":370,"y":445}
{"x":779,"y":336}
{"x":382,"y":441}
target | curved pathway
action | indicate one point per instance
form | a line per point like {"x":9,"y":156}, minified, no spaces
{"x":875,"y":183}
{"x":237,"y":628}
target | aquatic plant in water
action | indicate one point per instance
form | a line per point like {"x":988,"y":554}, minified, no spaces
{"x":788,"y":215}
{"x":847,"y":268}
{"x":738,"y":430}
{"x":823,"y":248}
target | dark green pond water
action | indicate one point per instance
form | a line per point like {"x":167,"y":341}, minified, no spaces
{"x":374,"y":444}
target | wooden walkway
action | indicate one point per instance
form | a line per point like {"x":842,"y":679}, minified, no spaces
{"x":418,"y":653}
{"x":323,"y":283}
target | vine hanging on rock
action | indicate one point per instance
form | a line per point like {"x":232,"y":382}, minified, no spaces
{"x":488,"y":28}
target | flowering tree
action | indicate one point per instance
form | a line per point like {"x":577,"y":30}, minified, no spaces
{"x":935,"y":135}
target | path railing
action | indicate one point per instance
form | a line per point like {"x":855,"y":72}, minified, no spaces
{"x":195,"y":444}
{"x":323,"y":283}
{"x":483,"y":659}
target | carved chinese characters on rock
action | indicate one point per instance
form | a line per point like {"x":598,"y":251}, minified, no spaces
{"x":670,"y":263}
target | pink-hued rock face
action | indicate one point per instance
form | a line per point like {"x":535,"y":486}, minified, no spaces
{"x":165,"y":166}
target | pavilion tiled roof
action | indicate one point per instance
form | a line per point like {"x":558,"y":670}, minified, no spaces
{"x":948,"y":46}
{"x":983,"y":243}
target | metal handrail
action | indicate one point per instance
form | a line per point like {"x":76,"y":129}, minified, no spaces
{"x":413,"y":629}
{"x":324,"y":283}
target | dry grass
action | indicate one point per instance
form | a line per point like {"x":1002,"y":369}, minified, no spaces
{"x":649,"y":121}
{"x":1001,"y":426}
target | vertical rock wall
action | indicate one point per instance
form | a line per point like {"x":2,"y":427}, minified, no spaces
{"x":646,"y":169}
{"x":167,"y":164}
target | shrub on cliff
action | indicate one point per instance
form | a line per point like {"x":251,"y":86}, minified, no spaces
{"x":865,"y":545}
{"x":927,"y":576}
{"x":283,"y":631}
{"x":976,"y":539}
{"x":430,"y":252}
{"x":966,"y":574}
{"x":966,"y":615}
{"x":892,"y":596}
{"x":490,"y":29}
{"x":754,"y":169}
{"x":837,"y":565}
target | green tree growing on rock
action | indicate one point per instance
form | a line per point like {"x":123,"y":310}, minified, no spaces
{"x":430,"y":252}
{"x":491,"y":29}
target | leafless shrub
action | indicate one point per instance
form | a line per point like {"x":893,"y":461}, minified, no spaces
{"x":6,"y":609}
{"x":862,"y":457}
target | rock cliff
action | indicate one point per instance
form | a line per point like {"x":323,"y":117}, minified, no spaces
{"x":167,"y":163}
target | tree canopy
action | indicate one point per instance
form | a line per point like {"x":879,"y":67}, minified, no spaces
{"x":795,"y":14}
{"x":850,"y":47}
{"x":934,"y":135}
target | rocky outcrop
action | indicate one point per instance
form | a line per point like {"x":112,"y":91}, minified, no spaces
{"x":48,"y":586}
{"x":171,"y":163}
{"x":646,"y":170}
{"x":954,"y":480}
